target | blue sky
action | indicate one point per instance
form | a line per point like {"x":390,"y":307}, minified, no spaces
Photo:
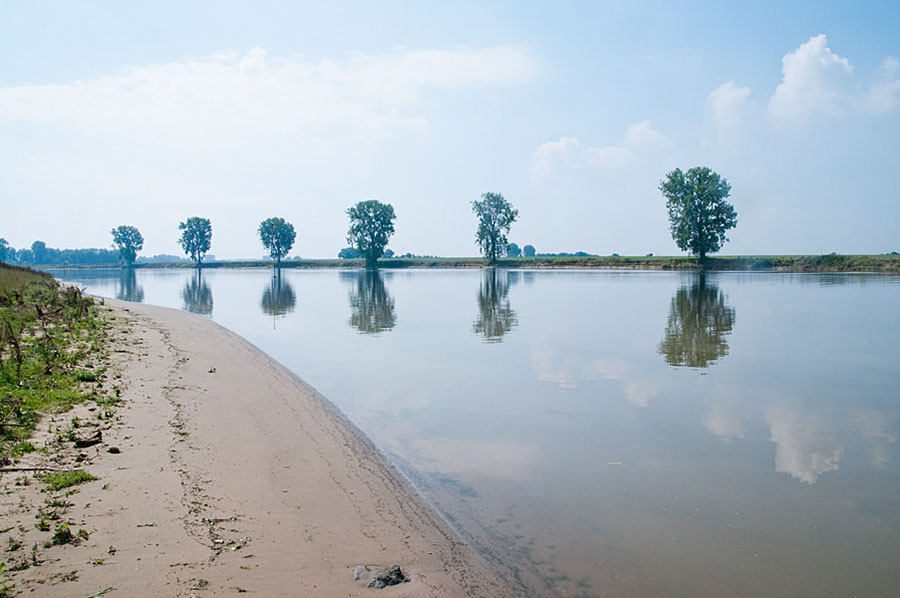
{"x":148,"y":113}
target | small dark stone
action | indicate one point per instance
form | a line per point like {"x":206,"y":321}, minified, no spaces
{"x":387,"y":577}
{"x":114,"y":450}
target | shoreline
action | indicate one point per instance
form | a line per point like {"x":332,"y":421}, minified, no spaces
{"x":233,"y":475}
{"x":871,"y":263}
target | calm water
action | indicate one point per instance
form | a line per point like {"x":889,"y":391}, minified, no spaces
{"x":603,"y":433}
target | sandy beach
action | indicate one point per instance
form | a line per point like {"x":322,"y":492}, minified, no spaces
{"x":232,"y":476}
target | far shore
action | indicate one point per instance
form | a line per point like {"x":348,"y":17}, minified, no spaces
{"x":887,"y":263}
{"x":223,"y":473}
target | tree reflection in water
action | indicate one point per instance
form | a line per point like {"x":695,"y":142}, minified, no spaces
{"x":197,"y":296}
{"x":278,"y":298}
{"x":495,"y":316}
{"x":129,"y":289}
{"x":371,"y":307}
{"x":699,"y":322}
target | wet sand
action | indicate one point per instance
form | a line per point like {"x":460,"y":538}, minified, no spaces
{"x":233,"y":476}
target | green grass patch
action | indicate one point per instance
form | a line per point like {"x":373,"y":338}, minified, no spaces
{"x":60,"y":480}
{"x":13,"y":277}
{"x":52,"y":348}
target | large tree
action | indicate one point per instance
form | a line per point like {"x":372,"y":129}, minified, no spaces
{"x":128,"y":240}
{"x":7,"y":253}
{"x":699,"y":216}
{"x":277,"y":236}
{"x":495,"y":216}
{"x":371,"y":227}
{"x":196,"y":235}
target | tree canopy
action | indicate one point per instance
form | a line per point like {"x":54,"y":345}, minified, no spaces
{"x":349,"y":253}
{"x":128,"y":240}
{"x":513,"y":250}
{"x":528,"y":251}
{"x":277,"y":236}
{"x":495,"y":216}
{"x":196,"y":236}
{"x":6,"y":252}
{"x":699,"y":216}
{"x":371,"y":227}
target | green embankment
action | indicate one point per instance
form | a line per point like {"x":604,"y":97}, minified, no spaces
{"x":51,"y":354}
{"x":776,"y":263}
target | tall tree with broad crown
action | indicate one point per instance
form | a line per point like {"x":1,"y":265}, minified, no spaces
{"x":371,"y":227}
{"x":699,"y":216}
{"x":495,"y":216}
{"x":128,"y":240}
{"x":196,"y":236}
{"x":277,"y":236}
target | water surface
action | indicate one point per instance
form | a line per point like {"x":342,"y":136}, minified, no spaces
{"x":607,"y":433}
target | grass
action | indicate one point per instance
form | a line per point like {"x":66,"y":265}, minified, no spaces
{"x":785,"y":263}
{"x":12,"y":277}
{"x":60,"y":480}
{"x":51,"y":353}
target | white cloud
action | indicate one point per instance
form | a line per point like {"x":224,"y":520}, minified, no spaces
{"x":728,"y":102}
{"x":815,"y":80}
{"x":232,"y":93}
{"x":570,"y":153}
{"x":885,"y":93}
{"x":642,"y":135}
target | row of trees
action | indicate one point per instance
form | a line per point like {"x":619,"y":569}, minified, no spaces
{"x":699,"y":218}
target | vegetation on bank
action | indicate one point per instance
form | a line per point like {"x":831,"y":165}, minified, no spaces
{"x":51,"y":353}
{"x":762,"y":263}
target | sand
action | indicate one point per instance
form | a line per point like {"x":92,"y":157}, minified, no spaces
{"x":233,"y":476}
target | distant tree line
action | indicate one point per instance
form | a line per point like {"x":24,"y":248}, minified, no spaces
{"x":699,"y":218}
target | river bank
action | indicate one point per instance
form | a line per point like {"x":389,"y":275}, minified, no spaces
{"x":888,"y":263}
{"x":222,"y":472}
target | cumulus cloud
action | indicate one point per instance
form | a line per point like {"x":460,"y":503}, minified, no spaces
{"x":727,"y":103}
{"x":253,"y":92}
{"x":815,"y":80}
{"x":570,"y":153}
{"x":642,"y":135}
{"x":885,"y":93}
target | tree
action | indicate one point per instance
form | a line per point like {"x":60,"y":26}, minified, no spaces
{"x":513,"y":250}
{"x":699,"y":216}
{"x":495,"y":216}
{"x":348,"y":253}
{"x":7,"y":253}
{"x":528,"y":250}
{"x":129,"y":241}
{"x":196,"y":235}
{"x":277,"y":236}
{"x":39,"y":252}
{"x":388,"y":253}
{"x":371,"y":227}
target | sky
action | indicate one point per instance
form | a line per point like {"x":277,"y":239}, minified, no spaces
{"x":147,"y":113}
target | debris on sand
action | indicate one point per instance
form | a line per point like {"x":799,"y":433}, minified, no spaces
{"x":387,"y":577}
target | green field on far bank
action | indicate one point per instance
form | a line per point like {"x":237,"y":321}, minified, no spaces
{"x":774,"y":263}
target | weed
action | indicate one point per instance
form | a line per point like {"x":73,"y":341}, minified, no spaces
{"x":64,"y":479}
{"x":62,"y":534}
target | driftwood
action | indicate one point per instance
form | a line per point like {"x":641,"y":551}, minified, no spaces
{"x":14,"y":469}
{"x":91,"y":441}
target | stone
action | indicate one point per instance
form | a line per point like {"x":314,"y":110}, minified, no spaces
{"x":387,"y":577}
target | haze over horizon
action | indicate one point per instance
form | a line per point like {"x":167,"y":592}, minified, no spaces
{"x":149,"y":113}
